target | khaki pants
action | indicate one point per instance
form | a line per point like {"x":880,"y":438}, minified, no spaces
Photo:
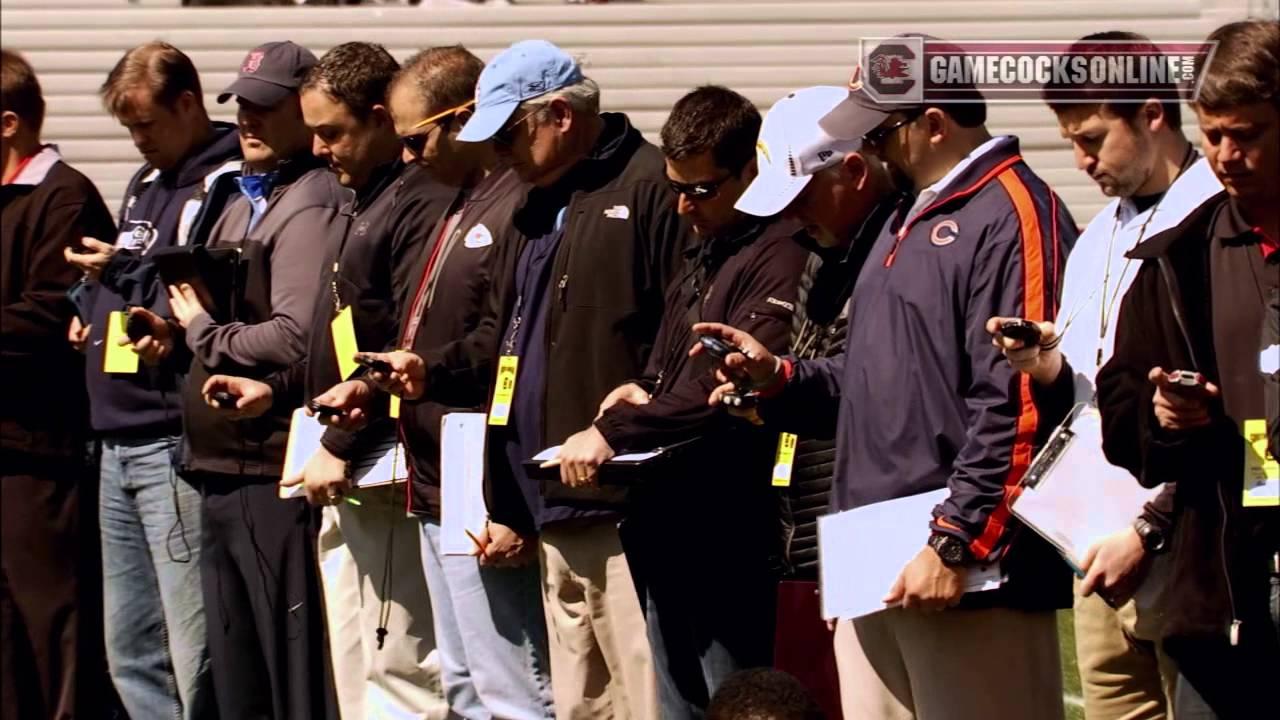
{"x":1123,"y":673}
{"x":994,"y":664}
{"x":402,"y":679}
{"x":601,"y":665}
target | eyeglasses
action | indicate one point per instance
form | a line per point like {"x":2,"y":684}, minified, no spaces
{"x":417,"y":142}
{"x":506,"y":134}
{"x":698,"y":191}
{"x":878,"y":135}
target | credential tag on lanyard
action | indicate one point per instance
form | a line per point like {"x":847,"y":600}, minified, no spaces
{"x":343,"y":329}
{"x":1261,"y":469}
{"x":782,"y":462}
{"x":504,"y":390}
{"x":117,"y":358}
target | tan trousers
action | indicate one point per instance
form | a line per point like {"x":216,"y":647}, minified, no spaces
{"x":601,"y":665}
{"x":1123,"y":673}
{"x":994,"y":664}
{"x":402,"y":679}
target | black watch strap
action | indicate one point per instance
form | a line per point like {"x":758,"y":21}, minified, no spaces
{"x":950,"y":549}
{"x":1153,"y":538}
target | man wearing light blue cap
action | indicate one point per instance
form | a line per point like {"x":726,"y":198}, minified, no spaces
{"x":598,"y":239}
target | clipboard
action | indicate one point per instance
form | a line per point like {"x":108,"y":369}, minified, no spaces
{"x":214,"y":274}
{"x":1071,"y":496}
{"x":383,"y":463}
{"x":626,"y":469}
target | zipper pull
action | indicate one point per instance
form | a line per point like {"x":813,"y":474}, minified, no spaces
{"x":560,"y":288}
{"x":1235,"y":632}
{"x":658,"y":383}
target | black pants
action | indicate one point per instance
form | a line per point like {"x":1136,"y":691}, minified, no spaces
{"x":267,"y":644}
{"x":52,"y":659}
{"x":708,"y":614}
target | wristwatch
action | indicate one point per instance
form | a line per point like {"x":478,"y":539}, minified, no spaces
{"x":1153,"y":539}
{"x":950,"y":549}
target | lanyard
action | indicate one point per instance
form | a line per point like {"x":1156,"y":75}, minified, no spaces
{"x":1107,"y":304}
{"x":426,"y":286}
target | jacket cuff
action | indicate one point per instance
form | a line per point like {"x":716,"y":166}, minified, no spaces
{"x":120,"y":263}
{"x":196,"y":330}
{"x":339,"y":443}
{"x":612,"y":428}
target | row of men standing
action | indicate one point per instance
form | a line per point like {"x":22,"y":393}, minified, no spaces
{"x":555,"y":239}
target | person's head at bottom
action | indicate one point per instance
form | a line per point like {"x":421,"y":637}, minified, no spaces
{"x":763,"y":694}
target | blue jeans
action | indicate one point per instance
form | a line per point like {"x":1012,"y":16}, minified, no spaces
{"x":154,"y":610}
{"x":491,"y":635}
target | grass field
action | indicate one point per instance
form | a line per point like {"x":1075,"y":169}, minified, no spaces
{"x":1070,"y":675}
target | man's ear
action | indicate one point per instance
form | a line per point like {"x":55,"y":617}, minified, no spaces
{"x":9,"y":124}
{"x":561,"y":114}
{"x":1152,"y":114}
{"x":381,"y":115}
{"x":938,"y":124}
{"x":856,"y":167}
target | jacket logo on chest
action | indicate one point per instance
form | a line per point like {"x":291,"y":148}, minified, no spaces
{"x":944,"y":233}
{"x":618,"y":212}
{"x":478,"y":237}
{"x":362,"y":229}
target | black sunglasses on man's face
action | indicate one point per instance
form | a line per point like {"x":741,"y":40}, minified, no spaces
{"x":698,"y":191}
{"x":877,"y":136}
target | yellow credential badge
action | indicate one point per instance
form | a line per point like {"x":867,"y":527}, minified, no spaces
{"x":504,"y":389}
{"x":784,"y":459}
{"x":1261,"y":470}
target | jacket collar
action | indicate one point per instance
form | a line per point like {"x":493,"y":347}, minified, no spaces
{"x":382,"y":178}
{"x":980,"y":170}
{"x":224,"y":146}
{"x":38,"y":167}
{"x":1161,"y":244}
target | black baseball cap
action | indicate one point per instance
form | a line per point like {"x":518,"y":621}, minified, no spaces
{"x":862,"y":112}
{"x":269,"y":73}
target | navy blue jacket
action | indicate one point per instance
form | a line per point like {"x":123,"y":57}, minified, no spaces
{"x":926,"y":401}
{"x":180,"y":206}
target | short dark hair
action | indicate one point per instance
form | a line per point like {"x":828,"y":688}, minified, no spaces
{"x":966,"y":114}
{"x":1103,"y":95}
{"x":1245,"y":67}
{"x":763,"y":694}
{"x":162,"y":69}
{"x":445,"y":77}
{"x":356,"y":74}
{"x":713,"y":119}
{"x":20,"y":90}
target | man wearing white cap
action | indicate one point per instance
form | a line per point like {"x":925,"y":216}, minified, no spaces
{"x":597,"y":239}
{"x":927,"y":404}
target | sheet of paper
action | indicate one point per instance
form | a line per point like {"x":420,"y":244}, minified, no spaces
{"x":383,"y":464}
{"x":1082,"y":498}
{"x":117,"y":358}
{"x":862,"y":551}
{"x":462,"y":506}
{"x":554,"y":450}
{"x":343,"y":329}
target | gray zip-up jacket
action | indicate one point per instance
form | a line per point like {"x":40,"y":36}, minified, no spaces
{"x":281,"y":260}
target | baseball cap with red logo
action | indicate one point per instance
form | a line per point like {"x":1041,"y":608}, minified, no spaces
{"x":269,"y":73}
{"x":880,"y":82}
{"x":792,"y":148}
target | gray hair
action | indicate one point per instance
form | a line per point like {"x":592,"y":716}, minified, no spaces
{"x":583,"y":96}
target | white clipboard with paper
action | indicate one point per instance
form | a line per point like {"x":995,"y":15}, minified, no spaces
{"x":862,"y":551}
{"x":462,"y":506}
{"x":383,"y":463}
{"x":1072,"y":496}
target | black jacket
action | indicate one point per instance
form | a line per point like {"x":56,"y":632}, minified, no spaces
{"x":375,"y":244}
{"x":281,"y":261}
{"x":1221,"y":550}
{"x":48,"y":207}
{"x":622,"y":243}
{"x":469,"y":264}
{"x":180,"y":206}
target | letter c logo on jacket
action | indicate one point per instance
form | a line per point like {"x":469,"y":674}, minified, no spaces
{"x":944,"y":233}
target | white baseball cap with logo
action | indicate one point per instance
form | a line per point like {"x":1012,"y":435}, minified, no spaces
{"x":792,"y":148}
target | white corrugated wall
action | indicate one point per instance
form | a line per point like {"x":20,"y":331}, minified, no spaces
{"x":644,"y":55}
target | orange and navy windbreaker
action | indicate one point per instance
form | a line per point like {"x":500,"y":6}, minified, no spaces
{"x":925,"y":400}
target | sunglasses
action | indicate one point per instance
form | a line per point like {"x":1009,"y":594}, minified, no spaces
{"x":698,"y":191}
{"x":417,"y":142}
{"x":878,"y":135}
{"x":506,"y":134}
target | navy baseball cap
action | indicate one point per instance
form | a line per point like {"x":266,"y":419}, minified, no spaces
{"x":269,"y":73}
{"x":526,"y":70}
